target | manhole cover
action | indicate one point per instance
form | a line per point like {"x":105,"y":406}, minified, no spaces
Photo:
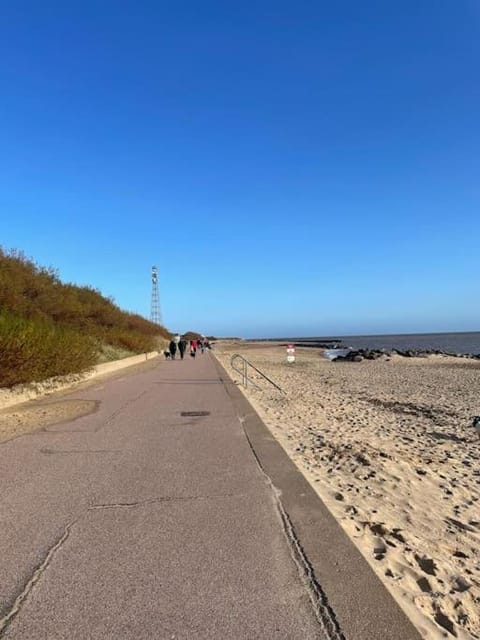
{"x":195,"y":413}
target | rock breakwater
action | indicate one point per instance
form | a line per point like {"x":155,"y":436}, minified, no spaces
{"x":357,"y":355}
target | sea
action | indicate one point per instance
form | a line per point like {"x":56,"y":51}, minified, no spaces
{"x":458,"y":343}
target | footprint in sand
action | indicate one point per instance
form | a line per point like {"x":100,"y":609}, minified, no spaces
{"x":427,"y":565}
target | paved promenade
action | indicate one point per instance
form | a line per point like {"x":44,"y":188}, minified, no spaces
{"x":171,"y":513}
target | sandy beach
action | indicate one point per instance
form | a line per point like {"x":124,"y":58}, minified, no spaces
{"x":388,"y":445}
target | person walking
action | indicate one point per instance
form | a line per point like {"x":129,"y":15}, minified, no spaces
{"x":172,"y":348}
{"x":182,"y":345}
{"x":193,"y":348}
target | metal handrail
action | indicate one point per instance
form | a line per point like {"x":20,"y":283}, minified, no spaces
{"x":244,"y":373}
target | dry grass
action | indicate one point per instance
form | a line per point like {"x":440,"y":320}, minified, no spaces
{"x":48,"y":328}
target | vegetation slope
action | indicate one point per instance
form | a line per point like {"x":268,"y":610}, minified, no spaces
{"x":48,"y":328}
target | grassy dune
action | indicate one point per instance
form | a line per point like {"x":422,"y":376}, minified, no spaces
{"x":49,"y":328}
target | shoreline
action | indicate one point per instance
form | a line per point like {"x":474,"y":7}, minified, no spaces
{"x":407,"y":352}
{"x":388,"y":447}
{"x":453,"y":343}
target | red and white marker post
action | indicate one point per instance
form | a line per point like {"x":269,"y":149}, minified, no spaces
{"x":290,"y":353}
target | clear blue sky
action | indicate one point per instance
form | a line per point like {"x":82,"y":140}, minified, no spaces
{"x":307,"y":167}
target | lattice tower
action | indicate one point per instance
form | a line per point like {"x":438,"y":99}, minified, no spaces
{"x":155,"y":314}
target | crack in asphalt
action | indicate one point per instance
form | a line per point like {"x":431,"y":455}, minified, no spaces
{"x":101,"y":426}
{"x":43,"y":565}
{"x":147,"y":501}
{"x":51,"y":452}
{"x":322,"y":610}
{"x":324,"y":613}
{"x":36,"y":575}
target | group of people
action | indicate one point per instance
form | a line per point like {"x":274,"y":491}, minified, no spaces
{"x":178,"y":343}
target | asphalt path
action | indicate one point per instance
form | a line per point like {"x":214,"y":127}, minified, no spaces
{"x":171,"y":512}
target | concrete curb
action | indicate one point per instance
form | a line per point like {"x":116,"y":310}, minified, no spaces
{"x":107,"y":367}
{"x":24,"y":392}
{"x":356,"y":601}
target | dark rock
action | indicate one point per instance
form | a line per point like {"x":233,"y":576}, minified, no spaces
{"x":374,"y":354}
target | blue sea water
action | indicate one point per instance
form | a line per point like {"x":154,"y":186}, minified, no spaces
{"x":458,"y":343}
{"x":449,"y":342}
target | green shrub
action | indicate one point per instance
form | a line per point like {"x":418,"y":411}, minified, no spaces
{"x":130,"y":340}
{"x":49,"y":327}
{"x":33,"y":350}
